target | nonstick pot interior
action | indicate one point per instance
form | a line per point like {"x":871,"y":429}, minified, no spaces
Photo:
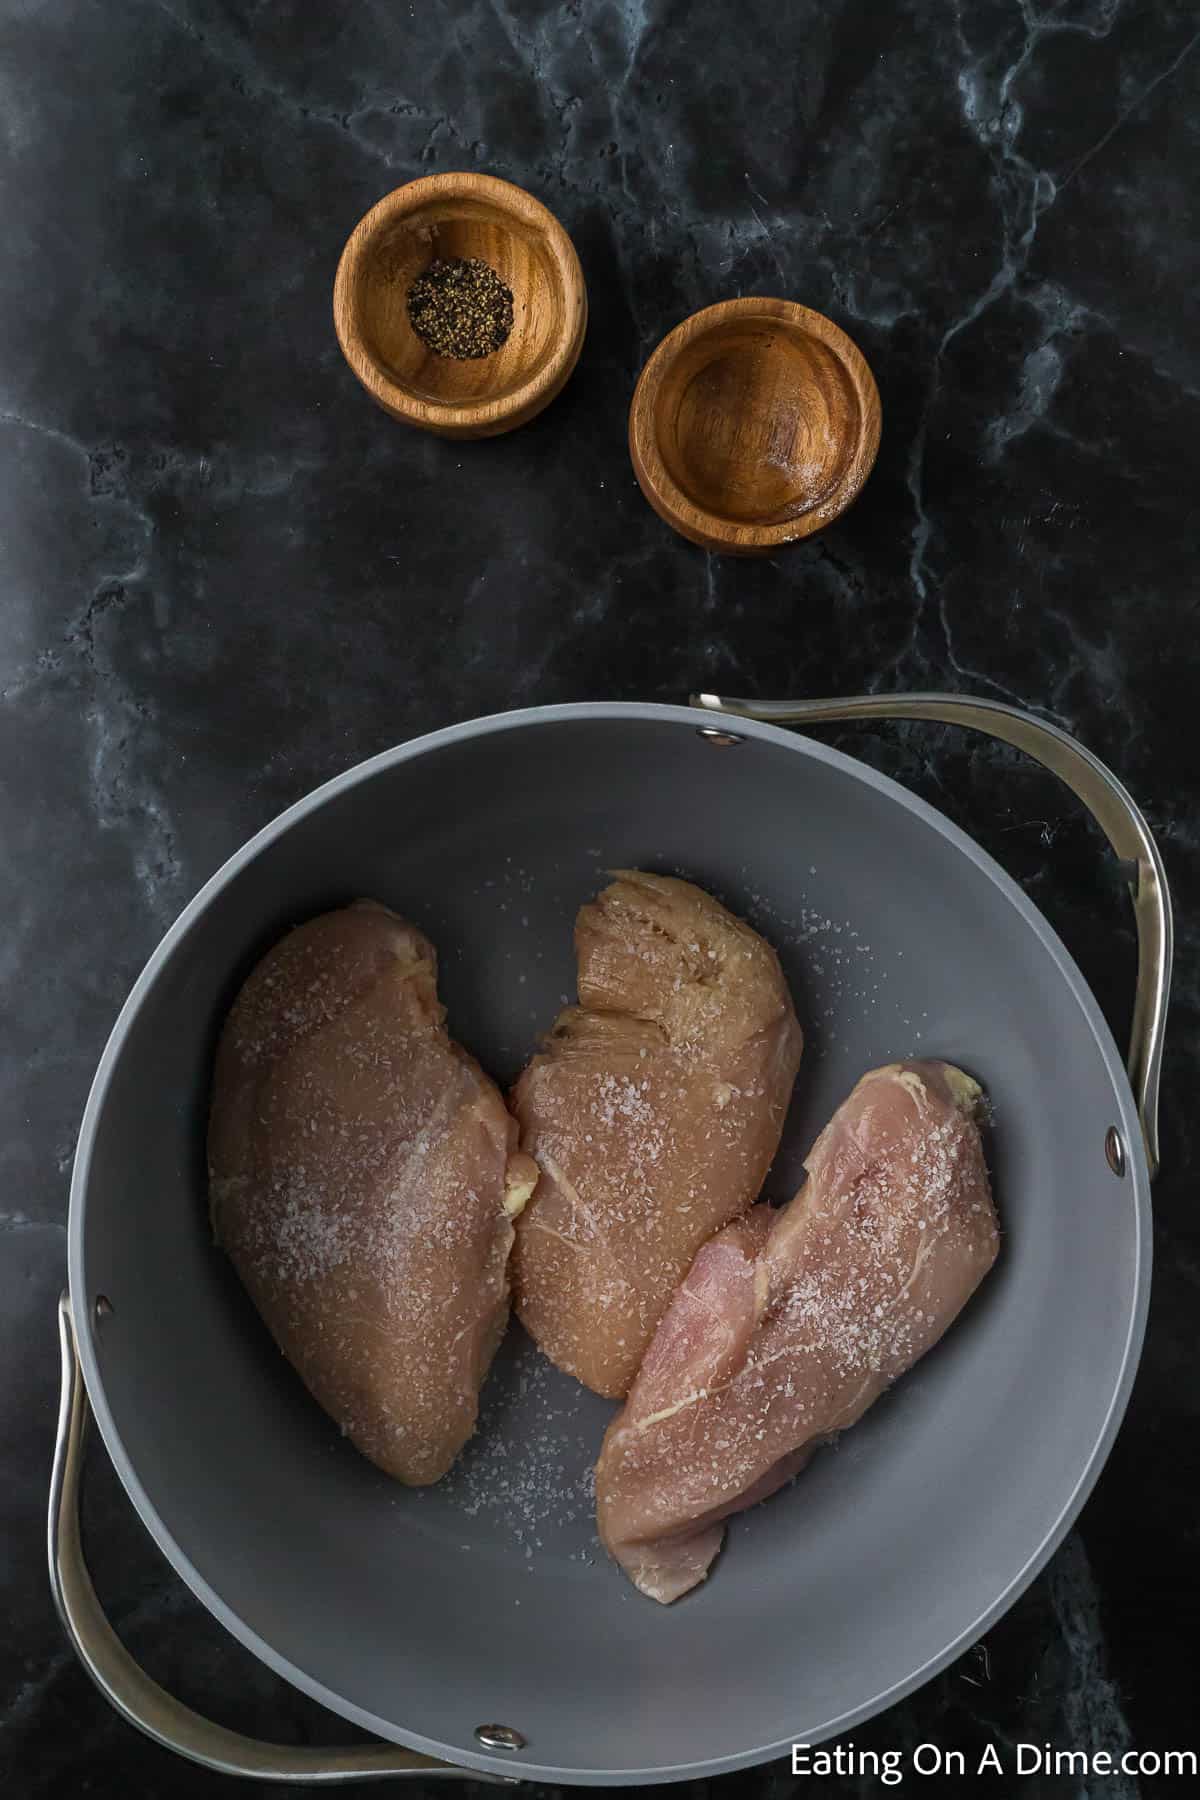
{"x":422,"y":1615}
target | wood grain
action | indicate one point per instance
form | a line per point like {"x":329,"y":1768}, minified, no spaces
{"x":754,"y":423}
{"x":460,"y":215}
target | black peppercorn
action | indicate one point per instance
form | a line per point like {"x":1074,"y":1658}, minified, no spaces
{"x":460,"y":308}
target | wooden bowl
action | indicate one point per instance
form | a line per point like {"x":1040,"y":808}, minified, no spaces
{"x":449,"y":216}
{"x":754,"y":423}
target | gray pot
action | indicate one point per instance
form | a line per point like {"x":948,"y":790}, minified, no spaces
{"x":422,"y":1616}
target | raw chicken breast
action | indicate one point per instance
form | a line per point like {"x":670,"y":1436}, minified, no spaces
{"x":653,"y":1114}
{"x":364,"y":1175}
{"x":789,"y":1325}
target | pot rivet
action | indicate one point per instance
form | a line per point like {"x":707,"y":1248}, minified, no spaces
{"x":722,"y":739}
{"x":500,"y":1737}
{"x":1114,"y":1150}
{"x":103,"y":1308}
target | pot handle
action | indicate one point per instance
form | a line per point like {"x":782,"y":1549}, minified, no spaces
{"x":125,"y":1684}
{"x":1113,"y":809}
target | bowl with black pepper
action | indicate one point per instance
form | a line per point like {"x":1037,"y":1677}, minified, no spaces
{"x":460,"y":305}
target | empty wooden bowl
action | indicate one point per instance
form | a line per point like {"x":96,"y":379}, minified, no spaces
{"x":754,"y":423}
{"x":446,"y":217}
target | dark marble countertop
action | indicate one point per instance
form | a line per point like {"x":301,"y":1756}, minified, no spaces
{"x":226,"y":577}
